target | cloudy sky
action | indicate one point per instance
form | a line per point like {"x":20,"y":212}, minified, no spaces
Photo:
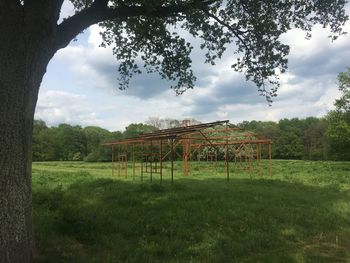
{"x":80,"y":86}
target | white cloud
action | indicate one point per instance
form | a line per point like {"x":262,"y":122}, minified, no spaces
{"x":57,"y":107}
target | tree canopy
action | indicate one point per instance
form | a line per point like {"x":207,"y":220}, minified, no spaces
{"x":146,"y":34}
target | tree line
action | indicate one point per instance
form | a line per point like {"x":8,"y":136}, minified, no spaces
{"x":310,"y":139}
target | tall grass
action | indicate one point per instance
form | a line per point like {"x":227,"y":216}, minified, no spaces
{"x":300,"y":214}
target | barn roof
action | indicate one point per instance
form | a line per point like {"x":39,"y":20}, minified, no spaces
{"x":172,"y":133}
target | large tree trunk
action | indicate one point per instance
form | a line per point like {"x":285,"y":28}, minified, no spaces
{"x":23,"y":62}
{"x":15,"y":170}
{"x":19,"y":85}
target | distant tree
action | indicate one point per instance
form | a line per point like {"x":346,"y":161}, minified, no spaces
{"x":38,"y":127}
{"x":289,"y":145}
{"x":140,"y":30}
{"x":40,"y":141}
{"x":136,"y":129}
{"x":45,"y":142}
{"x":170,"y":123}
{"x":193,"y":121}
{"x":248,"y":125}
{"x":343,"y":103}
{"x":268,"y":129}
{"x":155,"y":122}
{"x":338,"y":131}
{"x":165,"y":123}
{"x":286,"y":136}
{"x":314,"y":137}
{"x":338,"y":134}
{"x":94,"y":136}
{"x":72,"y":142}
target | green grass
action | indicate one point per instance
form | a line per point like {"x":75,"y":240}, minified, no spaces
{"x":300,"y":214}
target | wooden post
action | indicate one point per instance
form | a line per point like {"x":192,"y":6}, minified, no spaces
{"x":112,"y":159}
{"x":199,"y":157}
{"x":142,"y":149}
{"x":185,"y":154}
{"x":161,"y":161}
{"x":119,"y":160}
{"x":199,"y":153}
{"x":226,"y":156}
{"x":172,"y":161}
{"x":260,"y":166}
{"x":270,"y":158}
{"x":240,"y":162}
{"x":126,"y":160}
{"x":133,"y":162}
{"x":251,"y":156}
{"x":151,"y":162}
{"x":248,"y":170}
{"x":234,"y":166}
{"x":246,"y":164}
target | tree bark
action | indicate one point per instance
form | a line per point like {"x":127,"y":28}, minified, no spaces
{"x":23,"y":60}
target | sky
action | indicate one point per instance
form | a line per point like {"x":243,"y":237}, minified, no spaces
{"x":80,"y":86}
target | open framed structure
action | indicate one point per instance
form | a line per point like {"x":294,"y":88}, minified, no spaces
{"x":210,"y":142}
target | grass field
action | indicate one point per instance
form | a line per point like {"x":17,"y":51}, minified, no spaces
{"x":300,"y":214}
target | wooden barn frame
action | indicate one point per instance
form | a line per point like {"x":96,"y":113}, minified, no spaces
{"x":208,"y":141}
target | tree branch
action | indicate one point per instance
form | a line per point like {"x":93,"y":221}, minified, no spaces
{"x":99,"y":12}
{"x":235,"y":31}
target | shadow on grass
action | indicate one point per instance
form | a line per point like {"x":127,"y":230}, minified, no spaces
{"x":104,"y":220}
